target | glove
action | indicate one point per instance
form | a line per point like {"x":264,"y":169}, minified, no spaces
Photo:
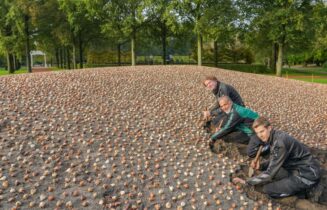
{"x":260,"y":179}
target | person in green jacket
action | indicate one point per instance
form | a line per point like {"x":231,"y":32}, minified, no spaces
{"x":238,"y":126}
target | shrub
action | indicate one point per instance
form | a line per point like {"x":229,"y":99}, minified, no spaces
{"x":324,"y":65}
{"x":251,"y":68}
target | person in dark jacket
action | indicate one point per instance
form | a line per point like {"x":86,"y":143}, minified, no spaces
{"x":220,"y":89}
{"x":291,"y":168}
{"x":237,"y":128}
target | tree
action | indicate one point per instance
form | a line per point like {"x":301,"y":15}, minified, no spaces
{"x":23,"y":22}
{"x":219,"y":24}
{"x":161,"y":24}
{"x":110,"y":25}
{"x":13,"y":32}
{"x":84,"y":28}
{"x":281,"y":22}
{"x":319,"y":50}
{"x":123,"y":18}
{"x":193,"y":13}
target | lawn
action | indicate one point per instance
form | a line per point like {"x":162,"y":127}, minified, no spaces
{"x":315,"y":80}
{"x":23,"y":70}
{"x":5,"y":72}
{"x":316,"y":75}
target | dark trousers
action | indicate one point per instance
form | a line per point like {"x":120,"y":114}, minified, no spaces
{"x":285,"y":184}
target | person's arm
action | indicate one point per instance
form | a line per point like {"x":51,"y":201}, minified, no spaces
{"x":264,"y":165}
{"x":233,"y":120}
{"x":277,"y":158}
{"x":214,"y":107}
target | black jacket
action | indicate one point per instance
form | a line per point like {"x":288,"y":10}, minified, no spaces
{"x":293,"y":156}
{"x":223,"y":89}
{"x":228,"y":90}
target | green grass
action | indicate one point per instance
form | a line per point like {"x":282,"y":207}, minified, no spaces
{"x":307,"y":72}
{"x":54,"y":68}
{"x":315,"y":80}
{"x":23,"y":70}
{"x":5,"y":72}
{"x":250,"y":68}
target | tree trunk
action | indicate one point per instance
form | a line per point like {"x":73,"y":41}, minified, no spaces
{"x":64,"y":60}
{"x":80,"y":49}
{"x":119,"y":54}
{"x":74,"y":56}
{"x":61,"y":58}
{"x":57,"y":57}
{"x":14,"y":62}
{"x":274,"y":57}
{"x":10,"y":63}
{"x":164,"y":42}
{"x":279,"y":60}
{"x":216,"y":52}
{"x":133,"y":48}
{"x":199,"y":38}
{"x":27,"y":45}
{"x":68,"y":58}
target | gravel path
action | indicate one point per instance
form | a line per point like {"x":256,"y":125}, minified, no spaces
{"x":68,"y":137}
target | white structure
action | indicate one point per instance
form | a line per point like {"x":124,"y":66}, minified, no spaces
{"x":38,"y":52}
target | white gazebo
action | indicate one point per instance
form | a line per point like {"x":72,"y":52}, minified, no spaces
{"x":38,"y":52}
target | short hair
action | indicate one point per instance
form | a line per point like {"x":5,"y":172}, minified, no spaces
{"x":261,"y":121}
{"x":224,"y":98}
{"x":212,"y":78}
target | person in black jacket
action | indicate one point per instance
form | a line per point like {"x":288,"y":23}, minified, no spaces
{"x":290,"y":170}
{"x":219,"y":89}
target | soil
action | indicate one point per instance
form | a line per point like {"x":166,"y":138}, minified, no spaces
{"x":40,"y":69}
{"x":315,"y":199}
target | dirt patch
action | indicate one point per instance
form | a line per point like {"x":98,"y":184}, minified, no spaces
{"x":40,"y":69}
{"x":313,"y":199}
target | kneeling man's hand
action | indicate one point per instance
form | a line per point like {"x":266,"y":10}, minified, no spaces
{"x":206,"y":114}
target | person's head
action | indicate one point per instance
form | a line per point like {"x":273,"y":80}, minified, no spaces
{"x":225,"y":103}
{"x":262,"y":128}
{"x":210,"y":82}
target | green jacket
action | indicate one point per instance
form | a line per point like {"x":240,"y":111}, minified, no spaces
{"x":239,"y":119}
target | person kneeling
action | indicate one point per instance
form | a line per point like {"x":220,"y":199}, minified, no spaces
{"x":237,"y":128}
{"x":291,"y":169}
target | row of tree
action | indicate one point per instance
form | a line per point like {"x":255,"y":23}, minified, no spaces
{"x":67,"y":29}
